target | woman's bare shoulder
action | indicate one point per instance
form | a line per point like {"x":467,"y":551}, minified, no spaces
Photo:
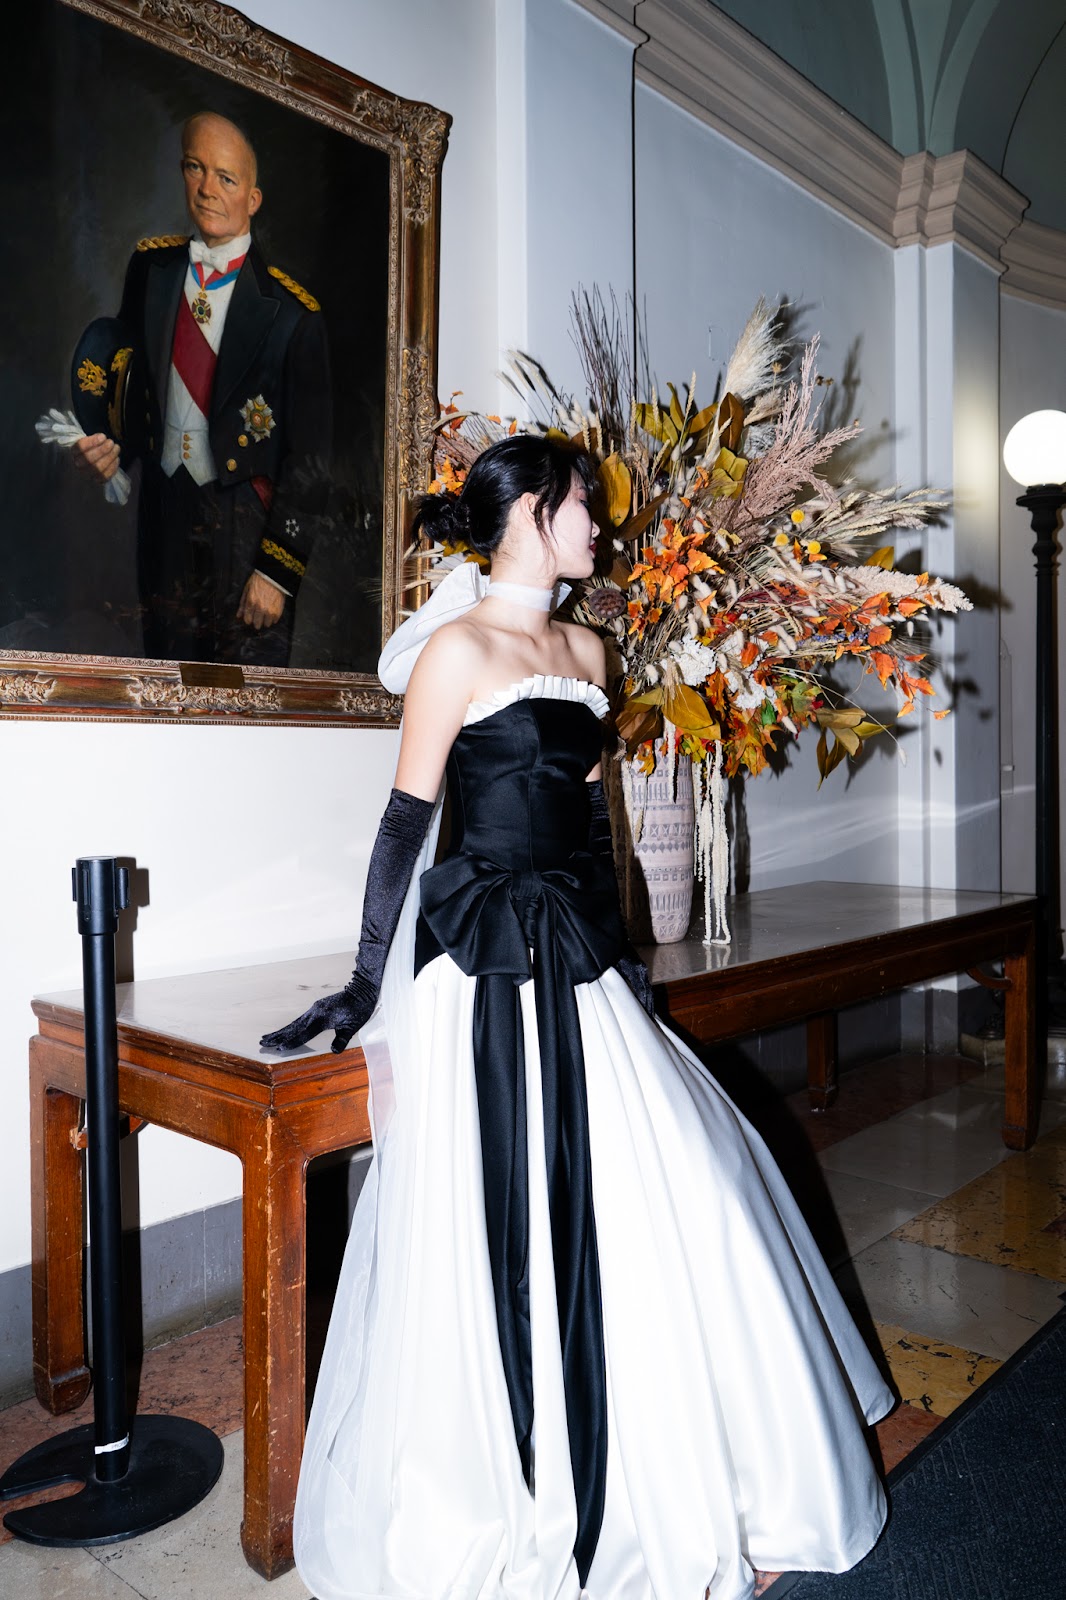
{"x":588,"y":651}
{"x":456,"y":645}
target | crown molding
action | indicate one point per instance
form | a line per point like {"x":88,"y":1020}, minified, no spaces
{"x":705,"y":62}
{"x":957,"y":199}
{"x":616,"y":14}
{"x":1035,"y":259}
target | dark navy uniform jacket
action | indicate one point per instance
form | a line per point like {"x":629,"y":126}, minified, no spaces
{"x":274,"y":347}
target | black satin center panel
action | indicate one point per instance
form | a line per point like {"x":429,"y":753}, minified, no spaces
{"x":519,"y":877}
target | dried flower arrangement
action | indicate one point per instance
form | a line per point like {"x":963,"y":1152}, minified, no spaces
{"x":740,"y":572}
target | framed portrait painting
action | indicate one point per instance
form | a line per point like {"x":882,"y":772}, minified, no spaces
{"x":222,"y":259}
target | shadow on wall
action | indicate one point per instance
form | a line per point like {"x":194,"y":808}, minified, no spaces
{"x":127,"y":922}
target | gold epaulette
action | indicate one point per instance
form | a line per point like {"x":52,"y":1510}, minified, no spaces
{"x":304,"y":297}
{"x":163,"y":241}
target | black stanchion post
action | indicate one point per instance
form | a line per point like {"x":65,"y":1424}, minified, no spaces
{"x":102,"y":890}
{"x":135,"y":1475}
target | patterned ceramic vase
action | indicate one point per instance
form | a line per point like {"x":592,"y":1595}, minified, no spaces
{"x":656,"y":869}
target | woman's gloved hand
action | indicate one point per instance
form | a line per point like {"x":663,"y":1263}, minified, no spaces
{"x":392,"y":861}
{"x":635,"y":973}
{"x":346,"y":1012}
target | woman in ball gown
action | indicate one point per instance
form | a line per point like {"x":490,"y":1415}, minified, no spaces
{"x":583,"y":1343}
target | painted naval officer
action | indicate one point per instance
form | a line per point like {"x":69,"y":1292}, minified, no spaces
{"x":234,"y":434}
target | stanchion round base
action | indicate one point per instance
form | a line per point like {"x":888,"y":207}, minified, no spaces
{"x":173,"y":1464}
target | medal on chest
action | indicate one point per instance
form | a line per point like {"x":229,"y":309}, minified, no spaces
{"x":200,"y":304}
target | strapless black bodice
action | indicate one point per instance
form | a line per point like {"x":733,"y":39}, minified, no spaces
{"x":519,"y":854}
{"x":516,"y":781}
{"x":519,"y":895}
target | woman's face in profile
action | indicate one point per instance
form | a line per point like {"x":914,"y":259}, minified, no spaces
{"x":574,"y":534}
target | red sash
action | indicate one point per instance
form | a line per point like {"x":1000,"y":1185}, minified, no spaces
{"x":193,"y":357}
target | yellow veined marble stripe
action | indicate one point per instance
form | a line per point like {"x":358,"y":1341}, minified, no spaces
{"x":1003,"y":1216}
{"x":933,"y":1376}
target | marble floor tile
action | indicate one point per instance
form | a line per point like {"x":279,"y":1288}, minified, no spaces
{"x":936,"y":1146}
{"x":199,"y":1557}
{"x":989,"y":1309}
{"x":897,"y":1435}
{"x":1010,"y":1215}
{"x":855,"y":1212}
{"x":34,"y":1572}
{"x":931,"y":1375}
{"x":876,"y":1090}
{"x":200,"y":1376}
{"x":991,"y":1078}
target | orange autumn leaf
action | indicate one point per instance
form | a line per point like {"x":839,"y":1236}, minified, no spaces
{"x":884,"y":666}
{"x":938,"y":716}
{"x":749,"y":654}
{"x":909,"y":605}
{"x":880,"y":635}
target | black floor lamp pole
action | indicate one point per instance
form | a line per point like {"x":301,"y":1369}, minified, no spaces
{"x":135,"y":1474}
{"x":1044,"y":503}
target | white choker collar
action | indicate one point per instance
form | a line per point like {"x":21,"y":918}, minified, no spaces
{"x":524,"y":594}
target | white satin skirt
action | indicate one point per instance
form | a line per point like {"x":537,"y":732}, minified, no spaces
{"x":737,"y":1383}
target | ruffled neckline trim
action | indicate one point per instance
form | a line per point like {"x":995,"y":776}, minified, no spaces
{"x":539,"y":686}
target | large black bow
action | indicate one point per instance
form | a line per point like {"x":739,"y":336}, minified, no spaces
{"x":488,"y":919}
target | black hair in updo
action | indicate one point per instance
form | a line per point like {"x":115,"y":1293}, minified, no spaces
{"x":524,"y":463}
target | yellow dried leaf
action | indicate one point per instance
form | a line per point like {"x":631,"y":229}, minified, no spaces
{"x":660,"y":428}
{"x":688,"y":711}
{"x":845,"y":717}
{"x":617,"y":488}
{"x":885,"y":558}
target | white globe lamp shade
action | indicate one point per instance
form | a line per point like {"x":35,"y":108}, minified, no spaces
{"x":1034,"y":450}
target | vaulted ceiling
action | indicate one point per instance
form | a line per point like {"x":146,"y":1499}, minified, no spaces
{"x":939,"y":75}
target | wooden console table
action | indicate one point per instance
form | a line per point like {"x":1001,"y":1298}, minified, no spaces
{"x":189,"y":1061}
{"x":807,"y":951}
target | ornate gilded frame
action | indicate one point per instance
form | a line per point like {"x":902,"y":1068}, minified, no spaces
{"x":414,"y":136}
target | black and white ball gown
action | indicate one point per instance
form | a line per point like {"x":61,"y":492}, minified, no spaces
{"x":612,"y":1334}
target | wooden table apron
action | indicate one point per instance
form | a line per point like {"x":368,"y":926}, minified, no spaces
{"x":277,"y":1115}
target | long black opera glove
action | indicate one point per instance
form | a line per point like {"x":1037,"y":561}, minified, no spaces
{"x":629,"y":964}
{"x":392,"y":860}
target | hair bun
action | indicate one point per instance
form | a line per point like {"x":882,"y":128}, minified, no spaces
{"x":443,"y":518}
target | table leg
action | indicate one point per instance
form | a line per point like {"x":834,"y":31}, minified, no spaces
{"x":1021,"y":1065}
{"x":60,"y":1374}
{"x":822,"y":1060}
{"x":274,"y":1308}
